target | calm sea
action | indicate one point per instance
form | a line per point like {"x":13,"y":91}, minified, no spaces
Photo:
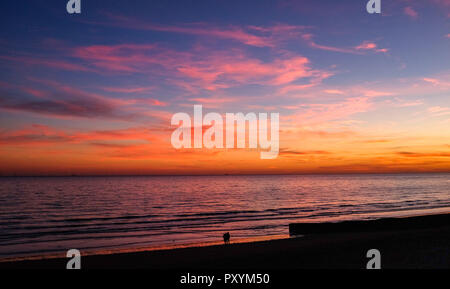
{"x":44,"y":216}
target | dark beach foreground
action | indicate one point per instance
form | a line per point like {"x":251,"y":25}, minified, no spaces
{"x":414,"y":242}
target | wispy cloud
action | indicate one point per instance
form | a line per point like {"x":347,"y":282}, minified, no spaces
{"x":365,"y":46}
{"x":309,"y":39}
{"x":128,"y":90}
{"x":425,"y":154}
{"x":319,"y":113}
{"x":208,"y":69}
{"x":73,"y":103}
{"x":439,"y":110}
{"x":43,"y":134}
{"x":411,"y":12}
{"x":60,"y":100}
{"x":259,"y":36}
{"x":370,"y":46}
{"x":248,"y":35}
{"x":48,"y":62}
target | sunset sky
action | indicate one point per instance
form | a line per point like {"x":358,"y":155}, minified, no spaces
{"x":94,"y":93}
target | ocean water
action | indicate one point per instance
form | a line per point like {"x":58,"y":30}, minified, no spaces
{"x":49,"y":215}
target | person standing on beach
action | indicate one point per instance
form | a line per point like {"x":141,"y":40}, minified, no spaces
{"x":226,"y":238}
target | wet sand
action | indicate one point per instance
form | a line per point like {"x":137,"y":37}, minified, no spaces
{"x":410,"y":246}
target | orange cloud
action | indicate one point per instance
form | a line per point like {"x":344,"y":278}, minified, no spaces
{"x":425,"y":155}
{"x":41,"y":134}
{"x":310,"y":114}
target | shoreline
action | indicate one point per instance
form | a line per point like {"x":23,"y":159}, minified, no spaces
{"x":412,"y":247}
{"x":170,"y":246}
{"x":161,"y":247}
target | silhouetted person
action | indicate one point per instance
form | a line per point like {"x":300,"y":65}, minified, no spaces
{"x":226,"y":238}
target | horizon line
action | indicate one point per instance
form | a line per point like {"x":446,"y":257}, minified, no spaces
{"x":224,"y":174}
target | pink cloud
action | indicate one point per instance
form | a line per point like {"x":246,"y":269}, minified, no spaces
{"x":431,"y":80}
{"x":316,"y":79}
{"x":271,"y":36}
{"x":316,"y":114}
{"x":214,"y":102}
{"x":411,"y":12}
{"x":333,"y":91}
{"x":34,"y":92}
{"x":119,"y":58}
{"x":403,"y":103}
{"x":310,"y":41}
{"x":150,"y":101}
{"x":441,"y":83}
{"x":232,"y":33}
{"x":128,"y":90}
{"x":258,"y":36}
{"x":52,"y":63}
{"x":203,"y":68}
{"x":366,"y":45}
{"x":439,"y":110}
{"x":375,"y":93}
